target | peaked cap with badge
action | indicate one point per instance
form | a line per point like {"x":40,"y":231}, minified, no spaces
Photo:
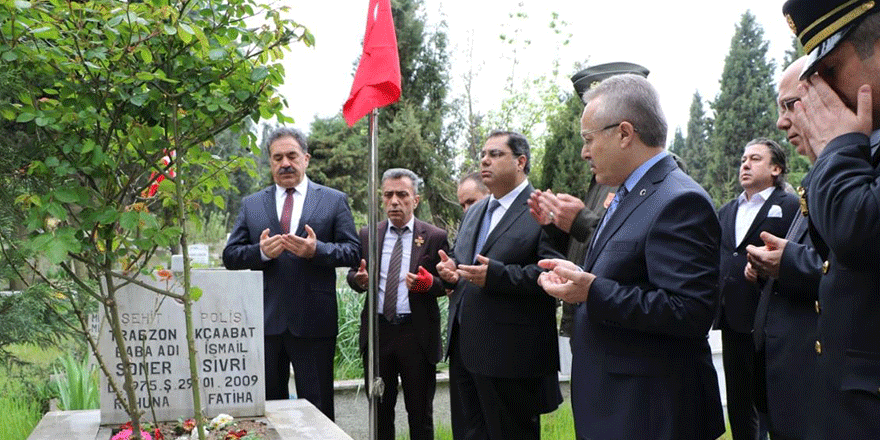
{"x":587,"y":78}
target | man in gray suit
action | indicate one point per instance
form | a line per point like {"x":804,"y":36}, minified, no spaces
{"x":502,"y":328}
{"x":297,"y":232}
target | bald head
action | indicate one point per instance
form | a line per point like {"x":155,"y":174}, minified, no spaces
{"x":786,"y":98}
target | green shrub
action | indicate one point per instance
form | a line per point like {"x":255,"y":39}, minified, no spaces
{"x":348,"y":364}
{"x":77,"y":385}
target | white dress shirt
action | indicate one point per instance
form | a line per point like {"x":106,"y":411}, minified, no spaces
{"x":748,"y":210}
{"x":299,"y":199}
{"x":504,"y":204}
{"x":387,"y":249}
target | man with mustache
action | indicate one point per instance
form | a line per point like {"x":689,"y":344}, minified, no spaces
{"x":762,"y":206}
{"x":297,"y":232}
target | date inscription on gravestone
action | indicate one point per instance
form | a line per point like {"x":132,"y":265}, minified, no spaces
{"x":228,"y":330}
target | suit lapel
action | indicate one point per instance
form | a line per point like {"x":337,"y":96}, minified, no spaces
{"x":313,"y":198}
{"x":467,"y":235}
{"x":269,"y":207}
{"x":729,"y":222}
{"x":759,"y":219}
{"x":642,"y":190}
{"x":418,"y":250}
{"x":517,"y":208}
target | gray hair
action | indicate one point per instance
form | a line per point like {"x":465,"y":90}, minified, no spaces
{"x":399,"y":173}
{"x":474,"y":177}
{"x":283,"y":132}
{"x":865,"y":35}
{"x":631,"y":98}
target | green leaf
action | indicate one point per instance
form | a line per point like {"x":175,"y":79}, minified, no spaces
{"x":259,"y":74}
{"x":186,"y":32}
{"x":22,"y":4}
{"x":219,"y":202}
{"x":66,"y":195}
{"x":195,"y":292}
{"x":216,"y":54}
{"x":25,"y":117}
{"x":145,"y":76}
{"x":139,"y":100}
{"x":169,"y":30}
{"x":146,"y":55}
{"x":10,"y":55}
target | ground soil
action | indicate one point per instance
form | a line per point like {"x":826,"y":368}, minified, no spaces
{"x":260,"y":427}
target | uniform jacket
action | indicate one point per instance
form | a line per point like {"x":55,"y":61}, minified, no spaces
{"x":844,"y":210}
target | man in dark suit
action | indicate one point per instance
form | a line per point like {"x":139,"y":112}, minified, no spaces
{"x":642,"y":366}
{"x":409,"y":319}
{"x":762,"y":206}
{"x":839,"y":114}
{"x":785,"y":320}
{"x":503,"y":351}
{"x":297,"y":232}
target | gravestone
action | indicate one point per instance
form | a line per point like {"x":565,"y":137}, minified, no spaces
{"x":228,"y":329}
{"x":198,"y":254}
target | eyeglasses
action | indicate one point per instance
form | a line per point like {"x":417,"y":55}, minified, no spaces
{"x":787,"y":106}
{"x":585,"y":133}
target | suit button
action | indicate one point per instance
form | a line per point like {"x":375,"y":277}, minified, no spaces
{"x":818,"y":347}
{"x":818,"y":309}
{"x":825,"y":266}
{"x":736,"y":254}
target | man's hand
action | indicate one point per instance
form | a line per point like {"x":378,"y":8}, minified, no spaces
{"x":476,"y":273}
{"x":822,"y":115}
{"x":565,"y":280}
{"x":764,"y":260}
{"x":301,"y":247}
{"x":535,"y":209}
{"x":446,"y":268}
{"x":559,"y":209}
{"x":272,"y":246}
{"x":419,"y":282}
{"x":361,"y":276}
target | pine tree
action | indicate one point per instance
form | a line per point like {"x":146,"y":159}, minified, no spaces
{"x":744,"y":109}
{"x":564,"y":170}
{"x":696,"y":146}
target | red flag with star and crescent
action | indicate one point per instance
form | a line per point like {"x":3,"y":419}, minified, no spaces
{"x":377,"y":81}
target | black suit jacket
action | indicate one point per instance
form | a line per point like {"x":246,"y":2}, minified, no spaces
{"x":844,"y":205}
{"x":298,"y":294}
{"x":507,"y":328}
{"x":427,"y":241}
{"x":739,"y":296}
{"x":642,"y":366}
{"x":785,"y":329}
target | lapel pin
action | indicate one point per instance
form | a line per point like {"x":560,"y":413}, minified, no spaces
{"x":643,"y":192}
{"x":419,"y":241}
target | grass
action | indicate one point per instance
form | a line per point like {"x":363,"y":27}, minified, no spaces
{"x":24,"y":391}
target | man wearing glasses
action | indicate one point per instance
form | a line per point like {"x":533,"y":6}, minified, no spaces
{"x":503,"y":350}
{"x":646,"y":295}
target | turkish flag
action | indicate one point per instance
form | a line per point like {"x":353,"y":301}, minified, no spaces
{"x":377,"y":81}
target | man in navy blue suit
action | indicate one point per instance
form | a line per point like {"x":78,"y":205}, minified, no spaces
{"x":839,"y":113}
{"x":763,"y":206}
{"x":642,"y":366}
{"x":297,"y":232}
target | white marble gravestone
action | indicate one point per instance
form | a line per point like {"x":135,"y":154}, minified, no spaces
{"x":228,"y":328}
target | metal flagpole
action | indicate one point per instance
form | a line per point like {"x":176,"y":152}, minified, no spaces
{"x":375,"y":387}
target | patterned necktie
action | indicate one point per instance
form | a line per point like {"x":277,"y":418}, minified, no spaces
{"x":286,"y":211}
{"x":484,"y":227}
{"x":392,"y":281}
{"x":618,"y":196}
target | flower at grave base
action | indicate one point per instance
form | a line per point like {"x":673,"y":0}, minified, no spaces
{"x":220,"y":422}
{"x":235,"y":435}
{"x":125,"y":434}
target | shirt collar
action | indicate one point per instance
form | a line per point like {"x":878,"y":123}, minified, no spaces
{"x":640,"y":172}
{"x":507,"y":200}
{"x":761,"y":196}
{"x":410,"y":224}
{"x":300,"y":188}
